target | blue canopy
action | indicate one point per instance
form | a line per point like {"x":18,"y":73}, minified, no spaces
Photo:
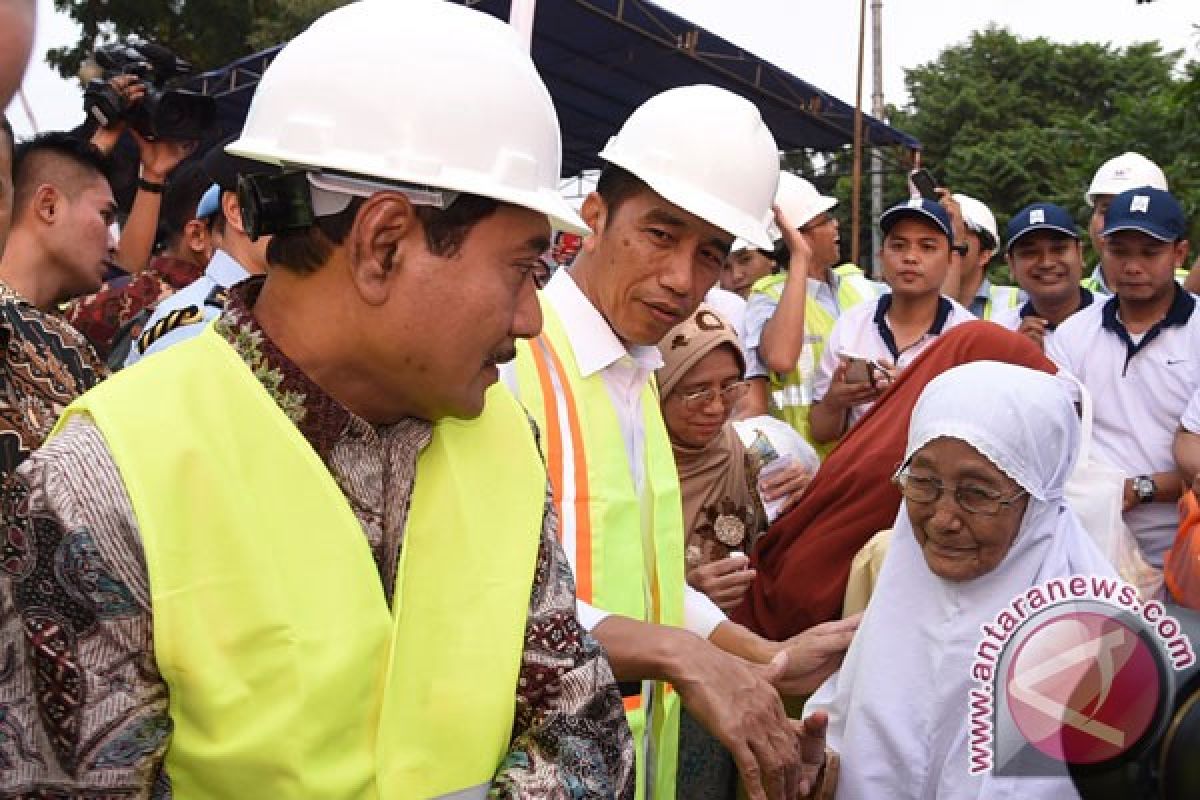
{"x":603,"y":58}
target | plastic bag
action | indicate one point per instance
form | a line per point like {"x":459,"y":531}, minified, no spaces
{"x":1182,"y":568}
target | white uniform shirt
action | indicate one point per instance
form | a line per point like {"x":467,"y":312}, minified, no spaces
{"x":1141,"y":389}
{"x":1191,"y":415}
{"x":864,"y":331}
{"x":625,"y":372}
{"x":1011,"y":317}
{"x":222,"y":272}
{"x":761,"y":307}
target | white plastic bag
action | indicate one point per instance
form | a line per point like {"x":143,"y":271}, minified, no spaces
{"x":787,"y":446}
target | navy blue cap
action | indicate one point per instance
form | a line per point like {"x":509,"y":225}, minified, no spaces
{"x":919,"y":208}
{"x":210,"y":202}
{"x":1151,"y":211}
{"x":1040,"y":217}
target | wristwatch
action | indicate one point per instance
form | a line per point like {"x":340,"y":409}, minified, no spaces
{"x":961,"y":249}
{"x":1144,"y":488}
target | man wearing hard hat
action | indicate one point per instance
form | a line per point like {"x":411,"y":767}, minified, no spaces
{"x":672,"y":197}
{"x":298,"y":556}
{"x":1118,"y":174}
{"x":969,"y":285}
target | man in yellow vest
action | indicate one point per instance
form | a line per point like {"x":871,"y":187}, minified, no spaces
{"x":299,"y":556}
{"x":668,"y":204}
{"x":781,"y":364}
{"x":967,"y":279}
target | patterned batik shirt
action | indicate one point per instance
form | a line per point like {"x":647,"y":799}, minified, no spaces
{"x":101,"y":316}
{"x":83,"y":708}
{"x":47,"y":364}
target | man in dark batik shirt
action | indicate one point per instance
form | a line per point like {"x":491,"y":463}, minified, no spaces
{"x":58,"y":248}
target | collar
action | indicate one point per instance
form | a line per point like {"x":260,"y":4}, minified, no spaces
{"x":320,"y":418}
{"x":177,"y":272}
{"x":592,"y":339}
{"x":1085,"y":300}
{"x":984,"y":292}
{"x":885,"y":331}
{"x":225,"y":271}
{"x":1178,"y":315}
{"x":1098,"y":280}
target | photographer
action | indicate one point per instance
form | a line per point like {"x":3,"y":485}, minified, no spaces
{"x":158,"y":159}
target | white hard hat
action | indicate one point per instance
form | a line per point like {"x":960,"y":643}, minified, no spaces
{"x":707,"y":151}
{"x":799,"y":201}
{"x":1126,"y":171}
{"x":423,"y":93}
{"x":978,"y":217}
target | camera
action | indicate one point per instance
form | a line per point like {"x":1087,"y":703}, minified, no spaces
{"x":162,"y":113}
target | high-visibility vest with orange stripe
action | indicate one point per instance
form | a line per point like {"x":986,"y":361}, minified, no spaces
{"x":626,"y":550}
{"x":289,"y":677}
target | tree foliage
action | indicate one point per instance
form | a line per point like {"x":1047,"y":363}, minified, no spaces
{"x":208,"y":33}
{"x":1013,"y":121}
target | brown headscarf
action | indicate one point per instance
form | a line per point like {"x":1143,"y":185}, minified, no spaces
{"x":721,"y":509}
{"x":804,"y":562}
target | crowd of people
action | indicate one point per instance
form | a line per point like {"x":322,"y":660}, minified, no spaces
{"x":694,"y":509}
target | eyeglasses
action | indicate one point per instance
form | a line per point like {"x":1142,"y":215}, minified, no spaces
{"x":823,"y":219}
{"x":971,"y":499}
{"x":698,"y":401}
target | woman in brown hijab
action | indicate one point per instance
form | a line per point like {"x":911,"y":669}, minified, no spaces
{"x":803,"y":565}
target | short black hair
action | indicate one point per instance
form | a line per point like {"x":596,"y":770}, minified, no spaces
{"x":8,"y":134}
{"x":305,"y":251}
{"x":186,"y":186}
{"x":616,"y":185}
{"x":54,"y":157}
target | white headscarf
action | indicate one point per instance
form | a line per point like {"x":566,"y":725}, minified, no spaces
{"x":898,"y":707}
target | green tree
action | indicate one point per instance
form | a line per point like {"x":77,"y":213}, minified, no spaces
{"x":208,"y":33}
{"x":1012,"y":121}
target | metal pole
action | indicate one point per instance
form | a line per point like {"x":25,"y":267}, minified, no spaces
{"x":855,"y":222}
{"x":520,"y":16}
{"x":877,"y":110}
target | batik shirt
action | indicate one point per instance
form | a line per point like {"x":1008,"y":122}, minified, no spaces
{"x":83,"y":708}
{"x":47,"y":364}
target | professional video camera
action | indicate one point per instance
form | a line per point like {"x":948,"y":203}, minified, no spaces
{"x":161,"y":113}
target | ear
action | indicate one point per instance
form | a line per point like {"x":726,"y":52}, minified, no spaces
{"x":232,"y":211}
{"x":595,"y":213}
{"x":1181,"y":253}
{"x":195,"y":236}
{"x":47,"y":204}
{"x":386,"y":234}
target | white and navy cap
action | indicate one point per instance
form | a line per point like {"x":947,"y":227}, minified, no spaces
{"x":1149,"y":210}
{"x":917,"y":208}
{"x":1040,"y":217}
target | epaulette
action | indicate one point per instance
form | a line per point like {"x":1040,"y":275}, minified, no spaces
{"x":189,"y":315}
{"x":217,"y":297}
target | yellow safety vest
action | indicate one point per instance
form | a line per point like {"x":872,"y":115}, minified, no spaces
{"x":627,"y":550}
{"x":792,"y":394}
{"x":1001,"y":297}
{"x":288,"y":675}
{"x":1093,"y":285}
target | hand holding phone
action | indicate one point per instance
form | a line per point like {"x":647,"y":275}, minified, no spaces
{"x":923,"y":181}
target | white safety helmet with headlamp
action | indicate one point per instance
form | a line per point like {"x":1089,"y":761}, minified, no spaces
{"x":423,"y":96}
{"x":1126,"y":171}
{"x":706,"y":150}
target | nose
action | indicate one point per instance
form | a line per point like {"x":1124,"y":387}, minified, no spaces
{"x":947,"y":516}
{"x":676,"y":274}
{"x":527,"y":316}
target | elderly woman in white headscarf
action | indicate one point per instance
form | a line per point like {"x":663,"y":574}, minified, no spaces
{"x":989,"y":449}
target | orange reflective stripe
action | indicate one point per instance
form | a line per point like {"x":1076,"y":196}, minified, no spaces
{"x":632,"y":703}
{"x":546,"y":360}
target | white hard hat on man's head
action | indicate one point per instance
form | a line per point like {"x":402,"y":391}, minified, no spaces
{"x":706,"y":150}
{"x":800,"y":201}
{"x":423,"y":93}
{"x":1126,"y":171}
{"x":978,"y":217}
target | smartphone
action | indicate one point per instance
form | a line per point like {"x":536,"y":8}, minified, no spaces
{"x":860,"y":370}
{"x":922,"y":179}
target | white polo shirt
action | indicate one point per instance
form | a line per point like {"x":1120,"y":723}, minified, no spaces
{"x":1141,"y":386}
{"x":625,"y":371}
{"x":864,"y":331}
{"x":1191,"y":415}
{"x":1011,"y":317}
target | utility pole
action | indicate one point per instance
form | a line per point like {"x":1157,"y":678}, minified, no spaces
{"x":877,"y":111}
{"x":856,"y":188}
{"x":520,"y":16}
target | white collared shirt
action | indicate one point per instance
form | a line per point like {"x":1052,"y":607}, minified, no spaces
{"x":625,"y":372}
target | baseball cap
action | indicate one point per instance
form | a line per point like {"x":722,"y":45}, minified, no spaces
{"x":1126,"y":171}
{"x":918,"y":208}
{"x":1149,"y":210}
{"x":210,"y":202}
{"x":1040,"y":217}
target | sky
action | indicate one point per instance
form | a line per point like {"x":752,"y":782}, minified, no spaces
{"x":817,"y":41}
